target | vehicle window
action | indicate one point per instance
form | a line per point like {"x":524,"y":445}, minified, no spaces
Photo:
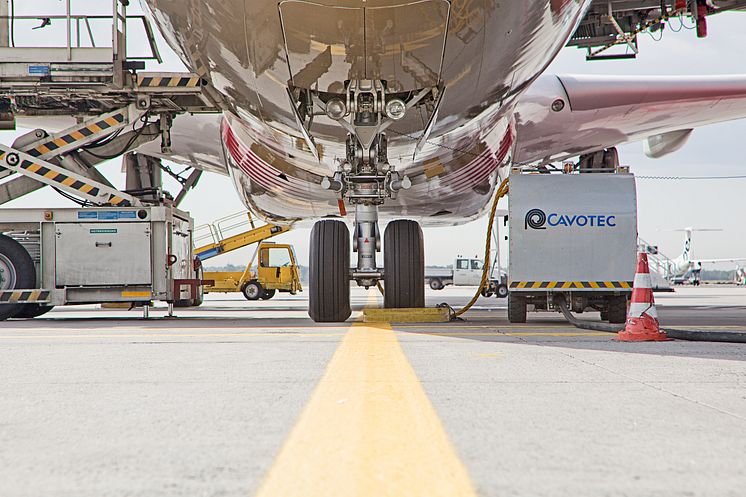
{"x":462,"y":264}
{"x":279,"y":257}
{"x":476,"y":264}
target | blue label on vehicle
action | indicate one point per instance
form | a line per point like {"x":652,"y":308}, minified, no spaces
{"x":38,"y":70}
{"x":107,"y":215}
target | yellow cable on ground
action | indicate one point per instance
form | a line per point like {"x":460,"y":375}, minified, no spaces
{"x":501,"y":192}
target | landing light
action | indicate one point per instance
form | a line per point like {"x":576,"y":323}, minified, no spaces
{"x":396,"y":109}
{"x":336,"y":109}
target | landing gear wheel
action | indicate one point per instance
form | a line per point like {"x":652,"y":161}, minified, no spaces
{"x":253,"y":291}
{"x":436,"y":284}
{"x":404,"y":265}
{"x":268,"y":294}
{"x":17,"y":271}
{"x":617,"y":309}
{"x":516,"y":308}
{"x":328,"y":272}
{"x":30,"y":311}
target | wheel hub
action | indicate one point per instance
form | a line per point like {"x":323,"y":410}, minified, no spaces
{"x":7,"y":274}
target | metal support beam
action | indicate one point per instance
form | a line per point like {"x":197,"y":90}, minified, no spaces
{"x":63,"y":179}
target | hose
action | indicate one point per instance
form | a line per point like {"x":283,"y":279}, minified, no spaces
{"x":501,"y":192}
{"x":688,"y":335}
{"x":559,"y":301}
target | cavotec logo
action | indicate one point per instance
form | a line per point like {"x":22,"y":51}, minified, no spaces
{"x":537,"y":219}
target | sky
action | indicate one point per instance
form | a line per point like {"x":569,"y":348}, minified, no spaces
{"x":664,"y":205}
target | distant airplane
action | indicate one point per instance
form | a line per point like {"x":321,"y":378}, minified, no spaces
{"x":740,"y":277}
{"x":684,"y":264}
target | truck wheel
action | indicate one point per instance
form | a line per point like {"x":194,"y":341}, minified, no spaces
{"x":404,"y":265}
{"x":328,"y":272}
{"x":436,"y":284}
{"x":17,"y":271}
{"x":30,"y":311}
{"x":617,"y":309}
{"x":268,"y":294}
{"x":516,"y":308}
{"x":252,"y":291}
{"x":502,"y":291}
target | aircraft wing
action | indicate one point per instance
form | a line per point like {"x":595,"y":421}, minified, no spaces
{"x":195,"y":142}
{"x":565,"y":116}
{"x":719,"y":261}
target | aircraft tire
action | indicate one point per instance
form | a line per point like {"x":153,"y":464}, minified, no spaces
{"x":17,"y":271}
{"x":328,"y":272}
{"x":516,"y":308}
{"x":404,"y":265}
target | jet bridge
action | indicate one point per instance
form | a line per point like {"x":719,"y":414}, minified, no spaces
{"x":112,"y":106}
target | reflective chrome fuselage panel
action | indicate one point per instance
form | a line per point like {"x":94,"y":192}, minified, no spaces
{"x":485,"y":52}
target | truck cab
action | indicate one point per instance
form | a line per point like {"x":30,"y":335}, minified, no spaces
{"x":467,"y":272}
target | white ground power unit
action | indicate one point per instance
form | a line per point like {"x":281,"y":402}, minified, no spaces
{"x":575,"y":235}
{"x":53,"y":257}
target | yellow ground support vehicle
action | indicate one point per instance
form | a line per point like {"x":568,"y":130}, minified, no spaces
{"x":276,"y":271}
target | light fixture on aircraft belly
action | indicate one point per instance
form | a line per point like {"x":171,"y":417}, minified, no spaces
{"x":396,"y":108}
{"x":336,"y":109}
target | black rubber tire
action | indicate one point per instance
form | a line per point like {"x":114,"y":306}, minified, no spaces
{"x":617,"y":309}
{"x":436,"y":284}
{"x":24,"y":269}
{"x":329,"y":272}
{"x":516,"y":308}
{"x":268,"y":294}
{"x":488,"y":291}
{"x":502,"y":291}
{"x":252,"y":291}
{"x":404,"y":265}
{"x":30,"y":311}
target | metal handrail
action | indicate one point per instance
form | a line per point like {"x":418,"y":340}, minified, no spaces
{"x":77,"y":19}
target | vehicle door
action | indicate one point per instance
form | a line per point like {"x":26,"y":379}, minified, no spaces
{"x":275,"y":268}
{"x":461,"y":272}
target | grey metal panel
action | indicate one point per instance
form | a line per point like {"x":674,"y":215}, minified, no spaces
{"x":561,"y":252}
{"x":93,"y":254}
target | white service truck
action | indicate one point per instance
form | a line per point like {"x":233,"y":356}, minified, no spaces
{"x":572,"y":236}
{"x":466,"y":272}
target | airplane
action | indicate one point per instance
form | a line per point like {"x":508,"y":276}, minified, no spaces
{"x":684,"y":264}
{"x":413,"y":111}
{"x":740,"y":276}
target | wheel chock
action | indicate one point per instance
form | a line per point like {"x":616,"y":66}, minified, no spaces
{"x":427,"y":315}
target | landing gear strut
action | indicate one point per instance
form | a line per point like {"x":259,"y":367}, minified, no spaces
{"x":365,"y":179}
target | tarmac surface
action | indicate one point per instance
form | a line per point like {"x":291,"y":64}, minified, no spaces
{"x":240,"y":399}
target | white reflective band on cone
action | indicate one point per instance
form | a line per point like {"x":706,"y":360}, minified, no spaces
{"x":636,"y":309}
{"x":642,"y":280}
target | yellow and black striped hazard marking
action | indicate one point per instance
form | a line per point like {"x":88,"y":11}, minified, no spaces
{"x":78,"y":135}
{"x":68,"y":181}
{"x":551,"y":285}
{"x":27,"y":296}
{"x":190,"y":81}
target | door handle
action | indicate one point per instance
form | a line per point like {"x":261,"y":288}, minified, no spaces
{"x":103,"y":244}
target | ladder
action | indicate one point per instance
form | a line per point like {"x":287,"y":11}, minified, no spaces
{"x":232,"y":233}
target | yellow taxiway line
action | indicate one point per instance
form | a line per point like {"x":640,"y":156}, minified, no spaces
{"x":368,"y":430}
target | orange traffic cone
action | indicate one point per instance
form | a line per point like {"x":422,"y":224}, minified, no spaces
{"x":642,"y":318}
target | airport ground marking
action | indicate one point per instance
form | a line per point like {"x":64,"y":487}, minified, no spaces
{"x":368,"y":430}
